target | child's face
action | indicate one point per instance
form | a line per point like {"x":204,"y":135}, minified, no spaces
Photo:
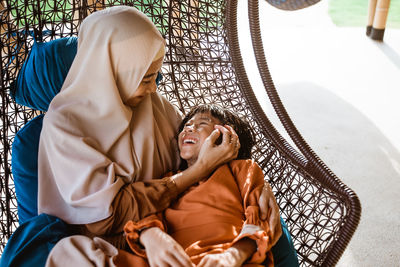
{"x":193,"y":135}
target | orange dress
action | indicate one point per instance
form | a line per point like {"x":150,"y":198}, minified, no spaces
{"x":211,"y":216}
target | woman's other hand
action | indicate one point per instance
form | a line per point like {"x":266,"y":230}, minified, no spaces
{"x":212,"y":154}
{"x":269,"y":206}
{"x":163,"y":250}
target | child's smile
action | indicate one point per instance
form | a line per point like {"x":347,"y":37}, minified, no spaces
{"x":189,"y":140}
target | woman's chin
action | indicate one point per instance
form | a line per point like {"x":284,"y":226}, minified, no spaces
{"x":135,"y":101}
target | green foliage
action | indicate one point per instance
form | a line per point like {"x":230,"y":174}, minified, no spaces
{"x":52,"y":10}
{"x":354,"y":13}
{"x":61,"y":11}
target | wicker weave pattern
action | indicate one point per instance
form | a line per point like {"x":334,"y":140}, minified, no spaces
{"x":202,"y":65}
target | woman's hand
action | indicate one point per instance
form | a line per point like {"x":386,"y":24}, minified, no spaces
{"x":163,"y":250}
{"x":212,"y":155}
{"x":269,"y":206}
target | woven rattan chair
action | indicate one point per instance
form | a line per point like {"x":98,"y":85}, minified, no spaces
{"x":203,"y":64}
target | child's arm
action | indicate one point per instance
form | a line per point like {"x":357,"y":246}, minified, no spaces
{"x":269,"y":207}
{"x":250,"y":180}
{"x":243,"y":249}
{"x":254,"y":241}
{"x":235,"y":256}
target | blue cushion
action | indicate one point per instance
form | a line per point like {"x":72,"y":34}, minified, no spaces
{"x":284,"y":252}
{"x":43,"y":73}
{"x":24,"y":167}
{"x":32,"y":242}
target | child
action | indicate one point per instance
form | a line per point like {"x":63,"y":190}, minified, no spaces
{"x":216,"y":221}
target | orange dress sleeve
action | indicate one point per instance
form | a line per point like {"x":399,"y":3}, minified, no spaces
{"x":250,"y":180}
{"x":132,"y":231}
{"x":152,"y":217}
{"x":134,"y":202}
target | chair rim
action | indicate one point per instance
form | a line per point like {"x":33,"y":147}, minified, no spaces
{"x":309,"y":159}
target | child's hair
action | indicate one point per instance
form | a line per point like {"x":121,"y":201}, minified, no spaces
{"x":241,"y":126}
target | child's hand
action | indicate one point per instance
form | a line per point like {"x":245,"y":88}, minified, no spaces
{"x":212,"y":155}
{"x":163,"y":250}
{"x":225,"y":259}
{"x":234,"y":256}
{"x":269,"y":207}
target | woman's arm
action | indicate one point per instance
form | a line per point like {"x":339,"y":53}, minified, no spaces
{"x":141,"y":199}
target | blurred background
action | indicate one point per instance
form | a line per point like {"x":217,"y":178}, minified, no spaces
{"x":342,"y":90}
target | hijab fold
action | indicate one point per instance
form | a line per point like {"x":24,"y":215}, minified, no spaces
{"x":92,"y":143}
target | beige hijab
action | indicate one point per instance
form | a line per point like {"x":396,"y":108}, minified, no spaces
{"x":91,"y":142}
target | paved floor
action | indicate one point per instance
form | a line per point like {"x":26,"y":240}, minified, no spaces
{"x":342,"y":90}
